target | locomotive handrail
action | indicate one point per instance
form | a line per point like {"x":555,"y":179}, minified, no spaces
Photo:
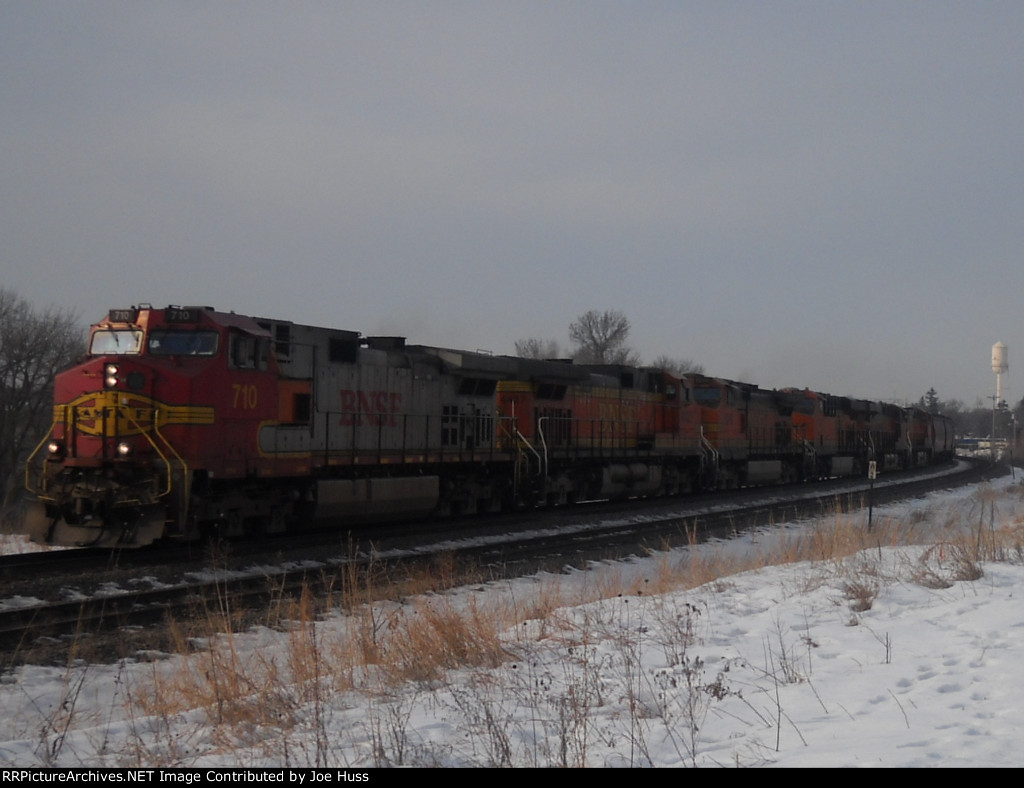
{"x":708,"y":447}
{"x":512,"y":431}
{"x":524,"y":441}
{"x":163,"y":457}
{"x":31,"y":457}
{"x":544,"y":443}
{"x":184,"y":465}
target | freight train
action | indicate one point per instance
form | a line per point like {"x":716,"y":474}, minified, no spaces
{"x":182,"y":422}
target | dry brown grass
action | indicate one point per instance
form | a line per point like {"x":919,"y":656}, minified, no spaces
{"x":420,"y":632}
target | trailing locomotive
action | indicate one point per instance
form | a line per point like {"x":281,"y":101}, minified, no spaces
{"x":186,"y":421}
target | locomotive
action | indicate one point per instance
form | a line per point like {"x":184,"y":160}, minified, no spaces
{"x":183,"y":422}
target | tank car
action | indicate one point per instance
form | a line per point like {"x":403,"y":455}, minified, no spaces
{"x":927,"y":438}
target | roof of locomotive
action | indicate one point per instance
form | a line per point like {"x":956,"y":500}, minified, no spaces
{"x":145,"y":315}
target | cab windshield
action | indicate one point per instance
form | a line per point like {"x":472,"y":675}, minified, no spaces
{"x":708,"y":397}
{"x":182,"y":343}
{"x":123,"y":341}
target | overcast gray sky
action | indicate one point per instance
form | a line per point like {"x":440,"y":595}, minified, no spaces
{"x":821,"y":194}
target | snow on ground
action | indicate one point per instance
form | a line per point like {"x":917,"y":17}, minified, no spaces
{"x":895,"y":656}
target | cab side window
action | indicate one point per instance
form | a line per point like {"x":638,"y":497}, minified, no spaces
{"x":248,"y":352}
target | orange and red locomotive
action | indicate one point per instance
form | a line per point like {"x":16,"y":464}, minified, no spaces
{"x":182,"y":421}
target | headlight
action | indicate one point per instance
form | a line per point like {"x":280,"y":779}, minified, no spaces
{"x":124,"y":449}
{"x":110,"y":375}
{"x":55,"y":448}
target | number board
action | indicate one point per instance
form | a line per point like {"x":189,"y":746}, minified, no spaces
{"x":179,"y":314}
{"x":122,"y":315}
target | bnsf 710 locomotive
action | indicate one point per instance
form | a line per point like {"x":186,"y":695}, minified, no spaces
{"x":186,"y":421}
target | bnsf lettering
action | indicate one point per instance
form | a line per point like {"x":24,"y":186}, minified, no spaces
{"x":376,"y":408}
{"x":138,"y":414}
{"x":615,"y":411}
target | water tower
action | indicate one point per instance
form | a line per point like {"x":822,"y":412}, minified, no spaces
{"x":1000,"y":364}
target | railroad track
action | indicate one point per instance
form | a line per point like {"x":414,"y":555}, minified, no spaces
{"x":122,"y":617}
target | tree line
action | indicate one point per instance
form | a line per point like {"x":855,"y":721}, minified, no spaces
{"x":980,"y":420}
{"x":34,"y":346}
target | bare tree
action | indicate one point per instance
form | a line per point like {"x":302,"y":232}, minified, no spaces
{"x":537,"y":348}
{"x":600,"y":338}
{"x":34,"y":346}
{"x":678,"y":366}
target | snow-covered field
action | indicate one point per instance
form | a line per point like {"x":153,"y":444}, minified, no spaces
{"x":893,"y":656}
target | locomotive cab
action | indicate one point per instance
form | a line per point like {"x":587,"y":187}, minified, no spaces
{"x":112,"y":469}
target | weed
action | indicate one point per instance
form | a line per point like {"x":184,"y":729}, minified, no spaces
{"x":861,"y":595}
{"x":404,"y":641}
